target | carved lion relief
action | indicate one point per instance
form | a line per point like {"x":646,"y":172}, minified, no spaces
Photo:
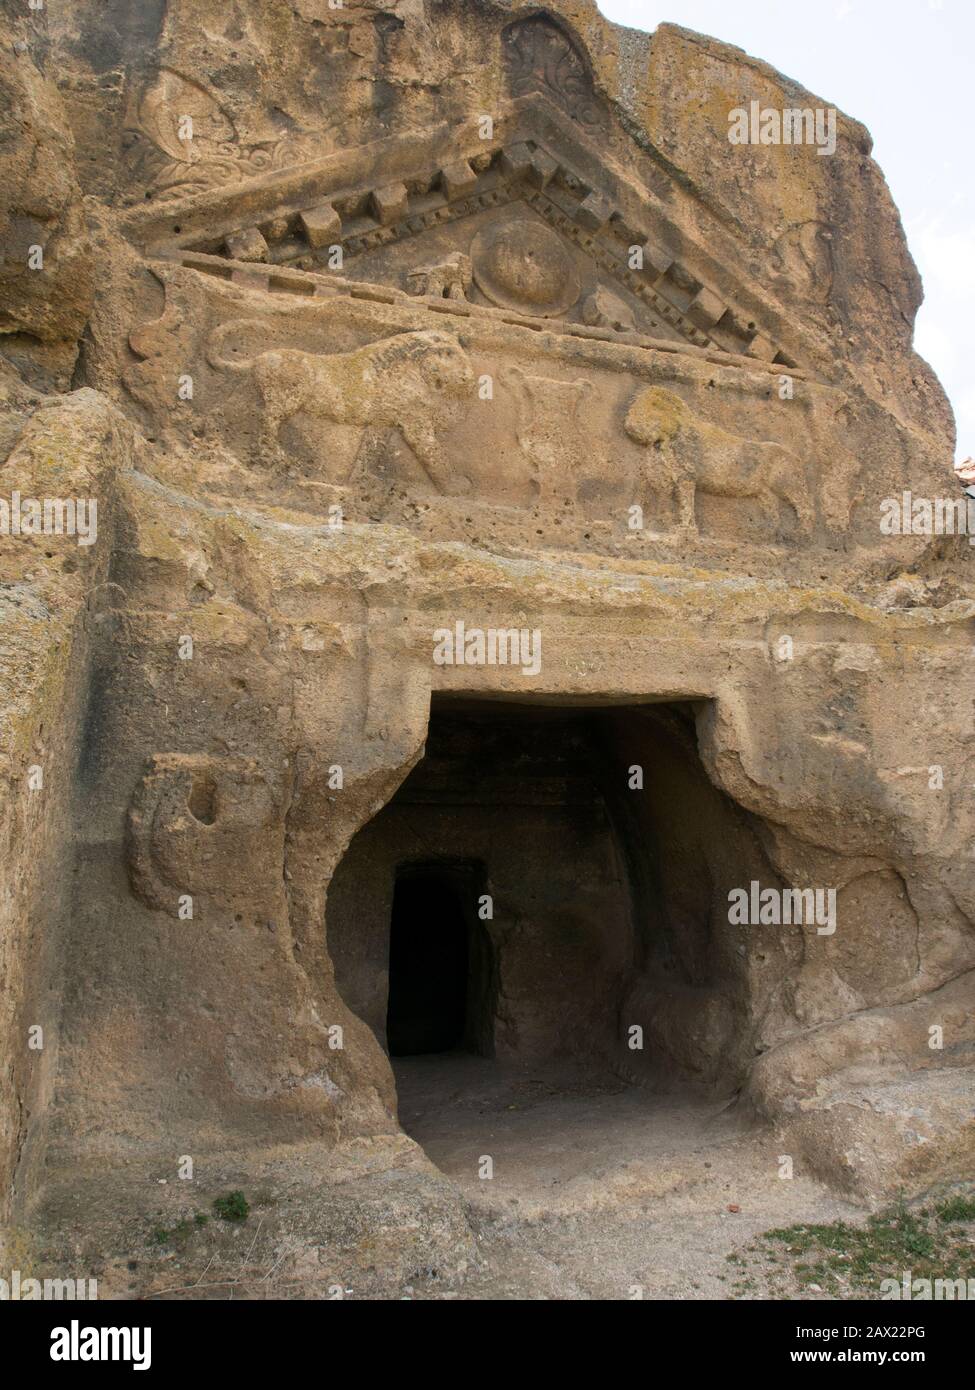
{"x":413,"y":383}
{"x":447,"y":279}
{"x":695,"y":456}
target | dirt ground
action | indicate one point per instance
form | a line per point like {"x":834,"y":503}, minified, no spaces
{"x":599,"y":1190}
{"x":602,"y":1190}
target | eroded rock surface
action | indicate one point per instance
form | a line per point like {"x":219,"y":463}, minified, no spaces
{"x":489,"y":460}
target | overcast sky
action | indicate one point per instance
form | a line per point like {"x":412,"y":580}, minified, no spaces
{"x":906,"y":69}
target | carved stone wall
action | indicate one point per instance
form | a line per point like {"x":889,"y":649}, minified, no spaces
{"x":353,"y":367}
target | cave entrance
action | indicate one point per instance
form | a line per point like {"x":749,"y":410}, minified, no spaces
{"x":541,"y":910}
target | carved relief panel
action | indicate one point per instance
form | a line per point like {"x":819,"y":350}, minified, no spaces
{"x":463,"y":424}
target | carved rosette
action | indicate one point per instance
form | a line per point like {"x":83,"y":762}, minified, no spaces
{"x":525,"y":266}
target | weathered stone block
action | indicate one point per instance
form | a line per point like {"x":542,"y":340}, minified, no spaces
{"x":705,"y":308}
{"x":321,"y":225}
{"x":248,"y":245}
{"x":458,"y":179}
{"x":593,"y":213}
{"x":657,"y":258}
{"x":389,"y":204}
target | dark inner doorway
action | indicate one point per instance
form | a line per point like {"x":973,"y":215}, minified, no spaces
{"x":428,"y":964}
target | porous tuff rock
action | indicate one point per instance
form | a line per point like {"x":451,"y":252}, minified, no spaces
{"x":43,"y":306}
{"x":756,"y":401}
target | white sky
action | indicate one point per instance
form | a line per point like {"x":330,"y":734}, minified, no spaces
{"x":906,"y":69}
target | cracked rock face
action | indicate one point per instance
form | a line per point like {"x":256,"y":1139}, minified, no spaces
{"x":489,"y":462}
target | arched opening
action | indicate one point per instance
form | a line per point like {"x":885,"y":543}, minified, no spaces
{"x":542,"y":911}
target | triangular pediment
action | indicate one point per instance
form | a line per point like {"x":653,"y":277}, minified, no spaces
{"x":542,"y":224}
